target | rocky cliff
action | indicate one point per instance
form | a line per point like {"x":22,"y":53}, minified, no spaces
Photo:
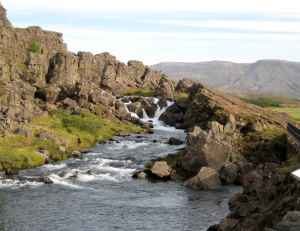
{"x":40,"y":77}
{"x":244,"y":144}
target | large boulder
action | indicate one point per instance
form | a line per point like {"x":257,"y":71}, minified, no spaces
{"x":164,"y":90}
{"x":229,"y":173}
{"x":162,"y":103}
{"x":207,"y":178}
{"x":44,"y":135}
{"x":168,"y":118}
{"x":103,"y":98}
{"x":206,"y":149}
{"x":28,"y":91}
{"x":174,"y":141}
{"x":23,"y":131}
{"x":51,"y":94}
{"x":149,"y":106}
{"x":161,"y":169}
{"x":136,"y":108}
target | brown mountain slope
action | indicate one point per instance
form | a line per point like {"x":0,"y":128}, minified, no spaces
{"x":274,"y":76}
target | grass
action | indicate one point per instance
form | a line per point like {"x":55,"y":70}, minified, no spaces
{"x":38,"y":73}
{"x":139,"y":92}
{"x":247,"y":118}
{"x":180,"y":95}
{"x":263,"y":102}
{"x":295,"y":112}
{"x":18,"y":151}
{"x":251,"y":145}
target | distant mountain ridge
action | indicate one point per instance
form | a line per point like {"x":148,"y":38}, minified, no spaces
{"x":264,"y":76}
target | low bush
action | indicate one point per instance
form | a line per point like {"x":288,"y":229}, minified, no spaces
{"x":34,"y":47}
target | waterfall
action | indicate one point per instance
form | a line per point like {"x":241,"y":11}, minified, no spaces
{"x":145,"y":116}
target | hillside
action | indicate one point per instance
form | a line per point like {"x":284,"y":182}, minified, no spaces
{"x":264,"y":76}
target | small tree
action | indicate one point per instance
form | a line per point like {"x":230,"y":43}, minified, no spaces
{"x":34,"y":47}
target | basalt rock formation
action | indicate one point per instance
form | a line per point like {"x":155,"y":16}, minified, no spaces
{"x":38,"y":82}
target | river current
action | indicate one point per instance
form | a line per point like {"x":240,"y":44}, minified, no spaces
{"x":108,"y":198}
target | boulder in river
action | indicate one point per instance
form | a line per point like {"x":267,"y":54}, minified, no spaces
{"x":76,"y":153}
{"x":162,"y":103}
{"x":174,"y":141}
{"x":207,"y":178}
{"x":48,"y":181}
{"x":161,"y":169}
{"x":10,"y":172}
{"x":141,"y":175}
{"x":229,"y":173}
{"x":206,"y":149}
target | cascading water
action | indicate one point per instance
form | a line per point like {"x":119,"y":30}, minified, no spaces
{"x":97,"y":192}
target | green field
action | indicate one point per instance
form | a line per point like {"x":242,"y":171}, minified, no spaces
{"x":295,"y":112}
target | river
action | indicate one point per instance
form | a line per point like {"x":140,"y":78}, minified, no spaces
{"x":108,"y":198}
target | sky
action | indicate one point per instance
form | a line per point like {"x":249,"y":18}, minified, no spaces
{"x":169,"y":31}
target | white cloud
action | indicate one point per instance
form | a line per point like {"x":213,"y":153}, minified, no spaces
{"x":155,"y":35}
{"x":271,"y":26}
{"x":260,"y":6}
{"x":92,"y":33}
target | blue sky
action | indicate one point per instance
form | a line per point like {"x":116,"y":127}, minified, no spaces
{"x":169,"y":31}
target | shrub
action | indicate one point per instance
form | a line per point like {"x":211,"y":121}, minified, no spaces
{"x":34,"y":47}
{"x":82,"y":123}
{"x":10,"y":161}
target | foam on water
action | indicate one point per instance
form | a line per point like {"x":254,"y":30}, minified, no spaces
{"x":55,"y":166}
{"x":59,"y":180}
{"x":130,"y":145}
{"x":15,"y":184}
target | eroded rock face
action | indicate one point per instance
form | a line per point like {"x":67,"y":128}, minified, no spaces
{"x":206,"y":149}
{"x":207,"y":178}
{"x":64,"y":69}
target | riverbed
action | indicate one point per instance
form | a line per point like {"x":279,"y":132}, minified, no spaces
{"x":97,"y":191}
